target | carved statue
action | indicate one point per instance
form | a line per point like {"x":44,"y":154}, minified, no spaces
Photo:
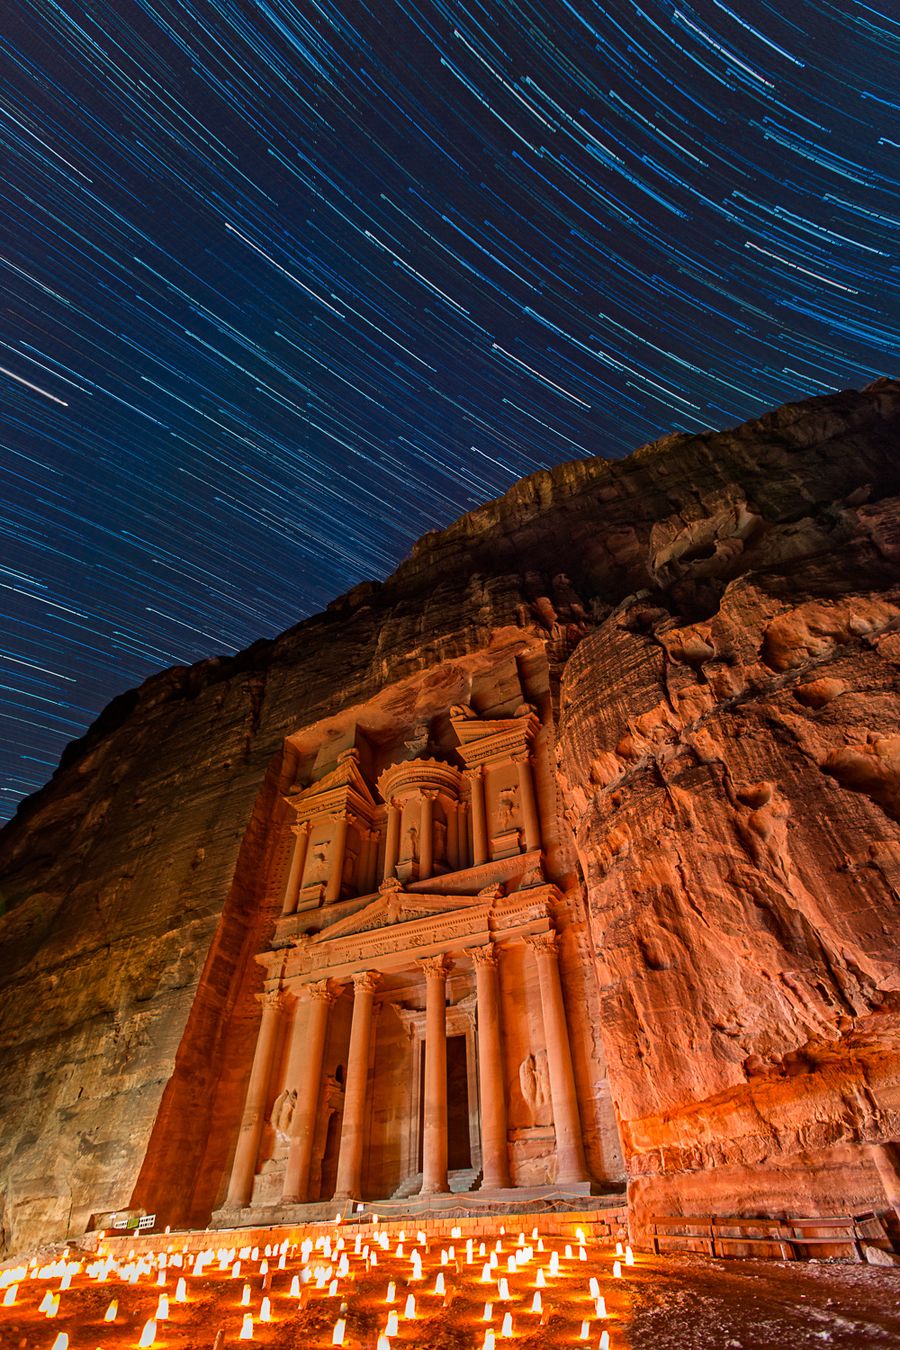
{"x":411,"y":852}
{"x":506,"y":807}
{"x":283,"y":1108}
{"x":535,"y":1084}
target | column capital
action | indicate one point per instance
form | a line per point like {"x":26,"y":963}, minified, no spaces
{"x":484,"y":956}
{"x":271,"y":998}
{"x":435,"y":967}
{"x":365,"y":981}
{"x":430,"y":794}
{"x":544,"y":944}
{"x":522,"y":757}
{"x":301,"y":827}
{"x":323,"y":991}
{"x":475,"y":772}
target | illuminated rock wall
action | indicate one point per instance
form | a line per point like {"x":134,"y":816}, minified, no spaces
{"x":716,"y":619}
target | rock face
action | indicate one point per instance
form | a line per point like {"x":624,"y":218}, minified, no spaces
{"x":717,"y":619}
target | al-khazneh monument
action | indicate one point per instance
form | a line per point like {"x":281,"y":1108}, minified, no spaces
{"x":566,"y":858}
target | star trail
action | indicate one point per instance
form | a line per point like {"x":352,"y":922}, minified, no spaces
{"x":287,"y":284}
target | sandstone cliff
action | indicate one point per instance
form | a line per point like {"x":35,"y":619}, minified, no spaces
{"x":720,"y":614}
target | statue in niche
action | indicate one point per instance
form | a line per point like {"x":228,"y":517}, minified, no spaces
{"x":318,"y":869}
{"x":534,"y":1081}
{"x":506,"y":807}
{"x":411,"y":852}
{"x":282,"y":1117}
{"x":349,"y":868}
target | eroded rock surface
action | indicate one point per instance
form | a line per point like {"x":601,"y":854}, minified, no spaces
{"x":720,"y":615}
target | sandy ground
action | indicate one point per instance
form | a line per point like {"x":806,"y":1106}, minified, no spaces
{"x":695,"y":1303}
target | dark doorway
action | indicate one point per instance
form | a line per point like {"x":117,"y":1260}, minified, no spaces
{"x":459,"y":1146}
{"x":459,"y":1149}
{"x":330,"y":1157}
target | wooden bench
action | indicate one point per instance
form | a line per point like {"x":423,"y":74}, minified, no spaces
{"x":696,"y":1228}
{"x":837,"y":1230}
{"x":791,"y":1237}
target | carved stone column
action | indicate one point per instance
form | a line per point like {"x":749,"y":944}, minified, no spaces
{"x":570,"y":1161}
{"x":491,"y":1078}
{"x":298,"y":862}
{"x":530,"y":818}
{"x":479,"y":818}
{"x":434,"y":1116}
{"x":426,"y":835}
{"x":349,"y":1173}
{"x":305,"y":1071}
{"x":452,"y":836}
{"x":369,"y":878}
{"x":392,"y":841}
{"x":338,"y":850}
{"x":243,"y":1169}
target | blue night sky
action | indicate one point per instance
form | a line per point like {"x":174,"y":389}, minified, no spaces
{"x":286,"y":285}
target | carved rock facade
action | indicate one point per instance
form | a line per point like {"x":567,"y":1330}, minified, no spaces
{"x":569,"y":854}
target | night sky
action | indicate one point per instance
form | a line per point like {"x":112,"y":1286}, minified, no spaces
{"x":286,"y":285}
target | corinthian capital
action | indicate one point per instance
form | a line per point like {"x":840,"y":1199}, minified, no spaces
{"x":365,"y":981}
{"x":435,"y":967}
{"x":544,"y":944}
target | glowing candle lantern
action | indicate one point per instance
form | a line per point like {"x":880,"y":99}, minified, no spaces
{"x":568,"y":1251}
{"x":444,"y":1257}
{"x":61,"y":1342}
{"x":373,"y":1259}
{"x":417,"y":1266}
{"x":162,"y":1308}
{"x":619,"y":1249}
{"x":46,"y":1302}
{"x":332,"y":1289}
{"x":264,"y":1267}
{"x":281,"y":1261}
{"x":161,"y":1278}
{"x":554,"y":1262}
{"x":399,"y":1251}
{"x":536,"y":1303}
{"x":582,"y":1253}
{"x":410,"y":1310}
{"x":337,"y":1336}
{"x":393,"y":1324}
{"x":383,"y":1343}
{"x":579,"y":1233}
{"x":482,"y":1250}
{"x":53,"y":1309}
{"x":507,"y":1329}
{"x":295,"y":1287}
{"x":181,"y":1290}
{"x":512,"y":1265}
{"x":600,"y":1306}
{"x":617,"y":1270}
{"x":112,"y":1311}
{"x":488,"y":1314}
{"x":629,"y":1257}
{"x":487,"y":1273}
{"x":585,"y":1332}
{"x":603,"y":1343}
{"x":439,"y":1283}
{"x":503,"y":1289}
{"x":246,"y":1328}
{"x":391,"y":1296}
{"x":265,"y":1310}
{"x":245,"y":1296}
{"x":9,"y":1297}
{"x":235,"y":1270}
{"x":489,"y":1340}
{"x":540,"y":1278}
{"x":148,"y":1335}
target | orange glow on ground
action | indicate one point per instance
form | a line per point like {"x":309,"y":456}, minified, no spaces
{"x":323,"y":1281}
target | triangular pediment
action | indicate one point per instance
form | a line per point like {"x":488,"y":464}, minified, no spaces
{"x":398,"y":907}
{"x":343,"y":787}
